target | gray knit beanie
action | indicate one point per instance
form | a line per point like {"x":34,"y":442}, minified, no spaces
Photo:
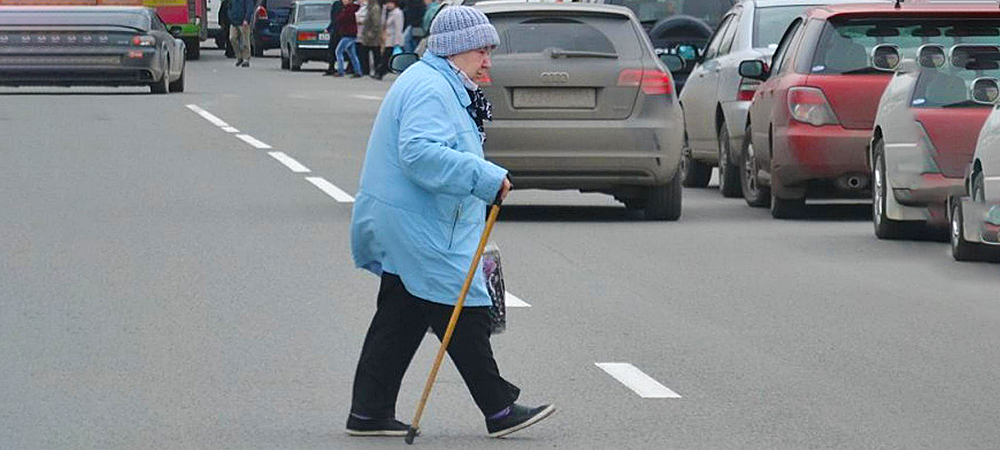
{"x":458,"y":29}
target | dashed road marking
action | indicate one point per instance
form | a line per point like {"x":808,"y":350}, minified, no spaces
{"x":289,"y":162}
{"x":252,"y":141}
{"x":208,"y":116}
{"x":230,"y":130}
{"x":375,"y":98}
{"x":514,"y":302}
{"x":637,"y":381}
{"x":331,"y":190}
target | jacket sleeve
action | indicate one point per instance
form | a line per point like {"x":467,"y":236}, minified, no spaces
{"x":428,"y":161}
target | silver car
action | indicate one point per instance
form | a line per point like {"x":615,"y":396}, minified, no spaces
{"x":581,"y":102}
{"x":716,"y":99}
{"x":975,"y":219}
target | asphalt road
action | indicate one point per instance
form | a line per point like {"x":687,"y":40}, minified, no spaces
{"x":165,"y":283}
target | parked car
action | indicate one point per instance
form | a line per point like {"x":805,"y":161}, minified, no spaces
{"x":927,"y":123}
{"x":305,"y":38}
{"x":809,"y":126}
{"x":89,"y":46}
{"x":716,"y":99}
{"x":975,"y":216}
{"x":581,"y":101}
{"x":269,"y":17}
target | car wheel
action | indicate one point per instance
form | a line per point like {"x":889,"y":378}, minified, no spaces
{"x":284,"y":61}
{"x":729,"y":171}
{"x":756,"y":195}
{"x":694,"y":173}
{"x":885,"y":228}
{"x":961,"y":249}
{"x":192,"y":48}
{"x":162,"y":86}
{"x":664,"y":202}
{"x":178,"y":85}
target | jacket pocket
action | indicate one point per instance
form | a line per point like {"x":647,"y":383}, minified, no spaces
{"x":454,"y":226}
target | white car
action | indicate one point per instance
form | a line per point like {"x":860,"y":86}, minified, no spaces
{"x":975,"y":219}
{"x":925,"y":129}
{"x":716,"y":99}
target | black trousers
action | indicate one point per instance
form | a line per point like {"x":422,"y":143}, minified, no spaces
{"x":382,"y":66}
{"x":332,"y":48}
{"x":367,"y":56}
{"x":400,"y":323}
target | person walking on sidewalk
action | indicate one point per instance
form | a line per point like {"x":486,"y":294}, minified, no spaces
{"x":347,"y":26}
{"x":416,"y":223}
{"x":240,"y":16}
{"x":392,"y":36}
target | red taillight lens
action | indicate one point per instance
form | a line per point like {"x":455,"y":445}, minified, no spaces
{"x":143,"y":41}
{"x":261,"y":13}
{"x":652,"y":82}
{"x":308,"y":36}
{"x":809,"y":105}
{"x":747,"y":88}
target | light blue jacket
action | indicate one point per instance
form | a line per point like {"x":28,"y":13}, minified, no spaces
{"x":421,"y":206}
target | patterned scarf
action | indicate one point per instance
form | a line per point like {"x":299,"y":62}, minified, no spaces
{"x":481,"y":110}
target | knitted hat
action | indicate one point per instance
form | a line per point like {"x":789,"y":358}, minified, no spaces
{"x":458,"y":29}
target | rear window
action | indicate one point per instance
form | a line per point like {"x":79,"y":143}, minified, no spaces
{"x":600,"y":35}
{"x":314,"y":12}
{"x":75,"y":18}
{"x":949,"y":85}
{"x":844,"y":48}
{"x":709,"y":11}
{"x":770,"y":23}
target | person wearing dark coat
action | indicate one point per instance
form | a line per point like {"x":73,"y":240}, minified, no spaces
{"x":338,"y":5}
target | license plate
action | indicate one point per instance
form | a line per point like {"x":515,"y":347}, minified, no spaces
{"x":555,"y":98}
{"x":324,"y":36}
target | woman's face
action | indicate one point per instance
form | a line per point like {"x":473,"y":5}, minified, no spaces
{"x":475,"y":63}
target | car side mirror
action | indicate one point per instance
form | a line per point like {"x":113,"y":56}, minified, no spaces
{"x":886,"y":57}
{"x":673,"y":62}
{"x":401,"y":61}
{"x":753,"y":69}
{"x":986,"y":91}
{"x":175,"y":31}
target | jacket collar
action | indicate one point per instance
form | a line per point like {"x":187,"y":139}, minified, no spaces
{"x":441,"y":65}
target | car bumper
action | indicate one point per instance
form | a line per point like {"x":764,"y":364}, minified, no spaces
{"x":586,"y":155}
{"x":313,"y":52}
{"x":105,"y":68}
{"x":829,"y":155}
{"x":978,"y":226}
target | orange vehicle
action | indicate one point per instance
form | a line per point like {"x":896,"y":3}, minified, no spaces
{"x":186,"y":19}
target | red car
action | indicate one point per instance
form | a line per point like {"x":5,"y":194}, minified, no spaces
{"x":810,"y":123}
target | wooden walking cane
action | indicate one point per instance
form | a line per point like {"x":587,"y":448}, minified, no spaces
{"x":415,"y":425}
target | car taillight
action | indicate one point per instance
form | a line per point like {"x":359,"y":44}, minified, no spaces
{"x":809,"y":105}
{"x":748,"y":87}
{"x":144,"y":41}
{"x":308,"y":36}
{"x":261,"y":13}
{"x":652,"y":82}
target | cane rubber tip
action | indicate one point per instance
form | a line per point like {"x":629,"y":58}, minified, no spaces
{"x":410,"y":435}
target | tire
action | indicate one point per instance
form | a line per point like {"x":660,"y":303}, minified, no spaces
{"x":664,"y":202}
{"x":729,"y":170}
{"x":178,"y":85}
{"x":694,"y":173}
{"x":961,"y":249}
{"x":192,"y":49}
{"x":885,"y":228}
{"x":162,"y":86}
{"x":284,"y":62}
{"x":754,"y":193}
{"x":294,"y":62}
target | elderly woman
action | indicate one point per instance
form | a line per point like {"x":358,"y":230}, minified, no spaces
{"x":417,"y":220}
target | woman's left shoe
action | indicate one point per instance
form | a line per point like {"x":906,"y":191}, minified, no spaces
{"x":519,"y":418}
{"x":375,"y":427}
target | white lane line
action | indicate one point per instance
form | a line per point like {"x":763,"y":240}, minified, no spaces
{"x":208,"y":116}
{"x":230,"y":130}
{"x":514,"y":302}
{"x":252,"y":141}
{"x":636,"y":380}
{"x":992,"y":178}
{"x":331,"y":190}
{"x":289,"y":162}
{"x":375,"y":98}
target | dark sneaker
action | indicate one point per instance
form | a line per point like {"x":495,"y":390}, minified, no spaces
{"x":245,"y":64}
{"x":239,"y":62}
{"x":376,"y":427}
{"x":519,"y":418}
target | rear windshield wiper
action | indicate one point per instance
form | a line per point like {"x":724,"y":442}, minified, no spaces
{"x":580,"y":54}
{"x":864,"y":71}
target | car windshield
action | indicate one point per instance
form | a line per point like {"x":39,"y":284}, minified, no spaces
{"x":566,"y":36}
{"x":314,"y":12}
{"x":844,"y":47}
{"x":709,"y":11}
{"x":770,"y":23}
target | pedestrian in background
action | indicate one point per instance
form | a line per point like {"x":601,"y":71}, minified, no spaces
{"x":413,"y":16}
{"x":347,"y":26}
{"x":369,"y":36}
{"x":335,"y":9}
{"x":392,"y":36}
{"x":433,"y":6}
{"x":240,"y":16}
{"x":416,"y":223}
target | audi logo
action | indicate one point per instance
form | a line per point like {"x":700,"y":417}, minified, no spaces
{"x":554,"y":77}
